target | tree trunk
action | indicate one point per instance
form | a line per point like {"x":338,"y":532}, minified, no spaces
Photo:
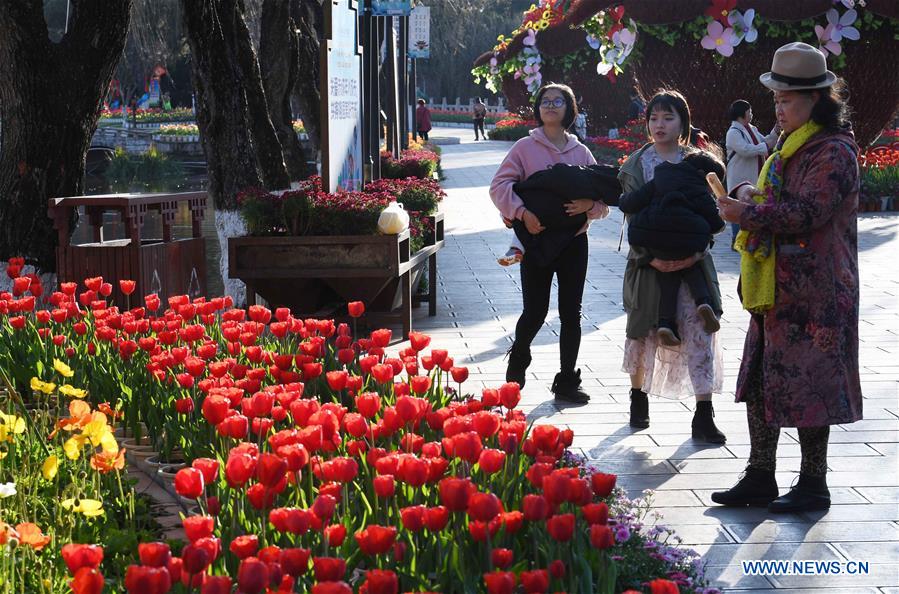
{"x":309,"y":18}
{"x":221,"y":100}
{"x":49,"y":108}
{"x":278,"y":62}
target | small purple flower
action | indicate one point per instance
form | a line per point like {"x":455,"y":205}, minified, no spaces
{"x":842,"y":25}
{"x":742,"y":26}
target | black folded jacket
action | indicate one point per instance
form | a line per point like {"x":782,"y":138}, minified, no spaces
{"x":545,"y":194}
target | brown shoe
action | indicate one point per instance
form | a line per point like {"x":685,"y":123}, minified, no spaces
{"x":710,"y":323}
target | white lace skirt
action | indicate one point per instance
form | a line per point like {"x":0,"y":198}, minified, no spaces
{"x":693,"y":367}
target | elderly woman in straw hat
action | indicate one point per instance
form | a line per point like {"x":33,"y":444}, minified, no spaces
{"x":799,"y":280}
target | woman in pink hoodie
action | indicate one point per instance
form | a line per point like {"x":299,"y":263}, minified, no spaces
{"x":549,"y":144}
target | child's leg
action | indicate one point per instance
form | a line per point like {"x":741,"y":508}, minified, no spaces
{"x":699,"y":289}
{"x":695,"y":279}
{"x":669,"y":284}
{"x":514,"y":254}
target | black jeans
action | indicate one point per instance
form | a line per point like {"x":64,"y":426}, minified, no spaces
{"x":669,"y":284}
{"x":424,"y":135}
{"x":479,"y":125}
{"x":536,"y":283}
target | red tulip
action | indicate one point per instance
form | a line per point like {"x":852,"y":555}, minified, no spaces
{"x":77,"y":556}
{"x":209,"y":468}
{"x":216,"y":584}
{"x":596,"y":513}
{"x":262,"y":497}
{"x":510,"y":394}
{"x":436,"y":518}
{"x":454,"y":493}
{"x":484,"y":506}
{"x":500,"y":582}
{"x":501,"y":558}
{"x":239,"y":468}
{"x":535,"y":507}
{"x":460,"y":374}
{"x":381,"y":581}
{"x":270,"y":469}
{"x":197,"y":527}
{"x":535,"y":581}
{"x":368,"y":404}
{"x":546,"y":437}
{"x":195,"y":559}
{"x":295,"y":562}
{"x":413,"y":517}
{"x":557,"y":569}
{"x":328,"y":569}
{"x":335,"y":534}
{"x":467,"y":446}
{"x":376,"y":540}
{"x":189,"y":483}
{"x":491,"y":461}
{"x":355,"y":308}
{"x":662,"y":586}
{"x":561,"y":527}
{"x":127,"y":286}
{"x":385,"y":485}
{"x":323,"y":507}
{"x":88,"y":580}
{"x":603,"y":483}
{"x":556,"y":487}
{"x":215,"y":409}
{"x":147,"y":580}
{"x":245,"y":546}
{"x":154,"y":554}
{"x":601,"y":536}
{"x":381,"y":337}
{"x":382,"y":373}
{"x":252,"y":576}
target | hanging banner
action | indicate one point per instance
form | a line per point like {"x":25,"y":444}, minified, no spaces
{"x":391,"y":7}
{"x":341,"y":84}
{"x":420,"y":32}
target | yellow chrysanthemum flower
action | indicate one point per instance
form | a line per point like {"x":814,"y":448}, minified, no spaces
{"x":87,"y":507}
{"x":50,"y":467}
{"x":72,"y":391}
{"x":63,"y":369}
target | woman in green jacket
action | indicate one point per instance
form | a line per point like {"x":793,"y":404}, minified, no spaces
{"x":694,"y":367}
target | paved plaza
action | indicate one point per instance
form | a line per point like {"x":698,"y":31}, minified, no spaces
{"x":479,"y":303}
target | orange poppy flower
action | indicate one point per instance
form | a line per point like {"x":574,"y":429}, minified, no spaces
{"x":105,"y":463}
{"x":31,"y":535}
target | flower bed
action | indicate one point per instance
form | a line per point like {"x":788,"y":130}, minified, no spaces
{"x":152,"y":116}
{"x":312,"y":211}
{"x":422,"y":163}
{"x":321,"y":462}
{"x":512,"y":128}
{"x":879,"y":170}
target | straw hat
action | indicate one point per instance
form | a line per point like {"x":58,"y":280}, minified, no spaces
{"x":797,"y":66}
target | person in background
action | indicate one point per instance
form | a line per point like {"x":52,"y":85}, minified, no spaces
{"x":580,"y":122}
{"x":423,"y":119}
{"x":745,"y":148}
{"x":635,"y":110}
{"x":478,"y":114}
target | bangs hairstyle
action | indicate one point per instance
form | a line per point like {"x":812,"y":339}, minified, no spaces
{"x":567,"y":95}
{"x":672,"y":102}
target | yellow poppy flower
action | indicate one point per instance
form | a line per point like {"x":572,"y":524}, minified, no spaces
{"x":72,"y":391}
{"x":87,"y":507}
{"x":10,"y":426}
{"x":96,"y":430}
{"x":72,"y":446}
{"x":40,"y":386}
{"x":63,"y":369}
{"x":50,"y":467}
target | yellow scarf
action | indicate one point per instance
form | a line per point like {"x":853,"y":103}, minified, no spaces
{"x":757,"y":278}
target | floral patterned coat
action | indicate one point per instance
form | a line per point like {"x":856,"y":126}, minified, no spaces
{"x":801,"y":356}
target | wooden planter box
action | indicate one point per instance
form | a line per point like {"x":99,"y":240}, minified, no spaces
{"x":313,"y":275}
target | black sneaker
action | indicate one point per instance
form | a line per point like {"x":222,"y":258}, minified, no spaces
{"x":755,"y":487}
{"x":567,"y":387}
{"x":519,"y":359}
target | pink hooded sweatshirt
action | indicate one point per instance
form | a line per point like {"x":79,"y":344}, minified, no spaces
{"x":530,"y":155}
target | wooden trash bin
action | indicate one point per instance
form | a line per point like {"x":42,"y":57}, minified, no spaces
{"x":175,"y":261}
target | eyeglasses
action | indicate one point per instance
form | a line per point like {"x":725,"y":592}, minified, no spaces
{"x":557,"y":103}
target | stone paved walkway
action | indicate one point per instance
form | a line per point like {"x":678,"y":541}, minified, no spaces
{"x":479,"y":303}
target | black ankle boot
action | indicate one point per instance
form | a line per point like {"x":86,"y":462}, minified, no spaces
{"x":567,"y":387}
{"x":809,"y":493}
{"x":704,"y":428}
{"x":755,"y":487}
{"x":519,"y":359}
{"x":639,"y":409}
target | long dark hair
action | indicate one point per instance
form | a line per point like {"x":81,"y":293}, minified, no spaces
{"x":567,"y":95}
{"x":831,"y":110}
{"x":673,"y":102}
